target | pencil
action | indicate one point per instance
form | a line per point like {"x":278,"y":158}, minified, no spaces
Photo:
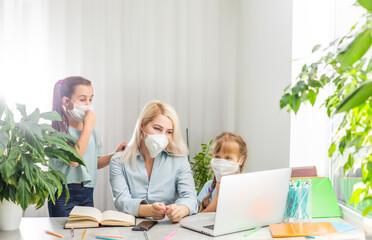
{"x":84,"y":234}
{"x":252,"y":231}
{"x":54,"y":234}
{"x":108,"y":236}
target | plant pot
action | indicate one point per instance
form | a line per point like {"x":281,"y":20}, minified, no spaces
{"x":10,"y":215}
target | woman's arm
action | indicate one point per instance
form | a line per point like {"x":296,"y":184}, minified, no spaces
{"x":186,"y":203}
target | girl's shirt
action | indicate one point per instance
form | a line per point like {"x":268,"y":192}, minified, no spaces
{"x":204,"y":192}
{"x":171,"y":182}
{"x":86,"y":175}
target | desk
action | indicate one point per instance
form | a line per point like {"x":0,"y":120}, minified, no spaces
{"x":33,"y":228}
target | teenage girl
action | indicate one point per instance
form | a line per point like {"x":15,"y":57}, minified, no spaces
{"x":73,"y":98}
{"x":229,"y":155}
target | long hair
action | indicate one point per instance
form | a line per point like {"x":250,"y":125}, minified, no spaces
{"x":176,"y":147}
{"x":65,"y":88}
{"x":228,"y":143}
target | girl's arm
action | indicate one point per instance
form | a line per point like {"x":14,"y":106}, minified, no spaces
{"x":82,"y":142}
{"x":105,"y":160}
{"x":212,"y":207}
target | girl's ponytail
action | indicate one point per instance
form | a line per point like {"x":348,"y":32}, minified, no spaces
{"x":58,"y":107}
{"x":204,"y":203}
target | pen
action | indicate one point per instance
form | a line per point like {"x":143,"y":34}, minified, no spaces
{"x":170,"y":235}
{"x":54,"y":234}
{"x":146,"y":237}
{"x":72,"y":232}
{"x":252,"y":231}
{"x":107,"y":238}
{"x":84,"y":234}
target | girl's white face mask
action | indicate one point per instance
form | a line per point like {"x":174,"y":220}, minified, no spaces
{"x":78,"y":112}
{"x":222,"y":167}
{"x":155,"y":143}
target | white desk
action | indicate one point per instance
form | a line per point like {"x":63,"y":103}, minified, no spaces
{"x":33,"y":228}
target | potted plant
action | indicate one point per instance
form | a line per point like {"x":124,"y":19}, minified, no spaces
{"x":201,"y":166}
{"x":25,"y":149}
{"x":347,"y":71}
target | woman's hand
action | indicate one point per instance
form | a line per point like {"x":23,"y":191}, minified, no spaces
{"x":121,"y":146}
{"x":176,"y":212}
{"x":157,"y":210}
{"x":89,"y":119}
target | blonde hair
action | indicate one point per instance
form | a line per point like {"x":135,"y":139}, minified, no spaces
{"x":226,"y":142}
{"x":176,"y":147}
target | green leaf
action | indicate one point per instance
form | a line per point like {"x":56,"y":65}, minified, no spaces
{"x":314,"y":84}
{"x":285,"y":100}
{"x":311,"y":95}
{"x":295,"y":103}
{"x":23,"y":192}
{"x":34,"y":116}
{"x":357,"y":97}
{"x":52,"y":116}
{"x":356,"y":49}
{"x":315,"y":48}
{"x":3,"y":106}
{"x":4,"y":140}
{"x":367,"y":4}
{"x":32,"y":134}
{"x":22,"y":109}
{"x":366,"y":211}
{"x":355,"y":197}
{"x":331,"y":149}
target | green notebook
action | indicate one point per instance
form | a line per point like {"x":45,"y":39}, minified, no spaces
{"x":323,"y":198}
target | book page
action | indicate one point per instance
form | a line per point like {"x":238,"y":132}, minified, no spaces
{"x":117,"y":216}
{"x":79,"y":211}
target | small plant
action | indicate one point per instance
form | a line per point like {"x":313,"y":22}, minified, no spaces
{"x":200,"y":167}
{"x":25,"y":149}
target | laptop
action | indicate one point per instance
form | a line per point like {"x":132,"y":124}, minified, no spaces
{"x":245,"y":201}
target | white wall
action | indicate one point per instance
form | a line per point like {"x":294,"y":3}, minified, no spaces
{"x":264,"y":70}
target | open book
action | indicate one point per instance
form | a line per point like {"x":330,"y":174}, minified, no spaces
{"x":84,"y":217}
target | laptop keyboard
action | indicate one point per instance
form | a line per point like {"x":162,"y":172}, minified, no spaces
{"x":211,"y":227}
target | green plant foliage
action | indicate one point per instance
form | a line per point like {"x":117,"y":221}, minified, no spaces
{"x":200,"y":166}
{"x":347,"y":71}
{"x":25,"y":149}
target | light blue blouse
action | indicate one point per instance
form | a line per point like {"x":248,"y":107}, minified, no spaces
{"x":204,"y":192}
{"x":171,"y":182}
{"x":87,"y":175}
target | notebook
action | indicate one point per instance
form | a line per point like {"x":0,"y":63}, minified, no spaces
{"x":302,"y":229}
{"x":85,"y":217}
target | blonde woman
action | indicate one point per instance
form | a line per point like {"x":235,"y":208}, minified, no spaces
{"x":152,"y":177}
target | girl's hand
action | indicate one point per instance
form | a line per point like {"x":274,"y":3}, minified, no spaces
{"x":89,"y":119}
{"x":174,"y":212}
{"x":121,"y":147}
{"x":158,"y":211}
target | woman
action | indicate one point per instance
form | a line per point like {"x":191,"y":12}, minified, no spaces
{"x":152,"y":177}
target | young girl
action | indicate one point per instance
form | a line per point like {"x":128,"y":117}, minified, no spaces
{"x":229,"y":155}
{"x":73,"y":97}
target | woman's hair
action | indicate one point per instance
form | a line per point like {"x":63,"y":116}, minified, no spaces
{"x":176,"y":147}
{"x":227,"y":143}
{"x":65,"y":88}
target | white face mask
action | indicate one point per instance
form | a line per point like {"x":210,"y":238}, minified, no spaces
{"x":78,"y":112}
{"x":222,"y":167}
{"x":155,"y":143}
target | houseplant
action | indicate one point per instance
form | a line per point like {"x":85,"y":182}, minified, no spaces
{"x":201,"y":166}
{"x":25,"y":147}
{"x":346,"y":72}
